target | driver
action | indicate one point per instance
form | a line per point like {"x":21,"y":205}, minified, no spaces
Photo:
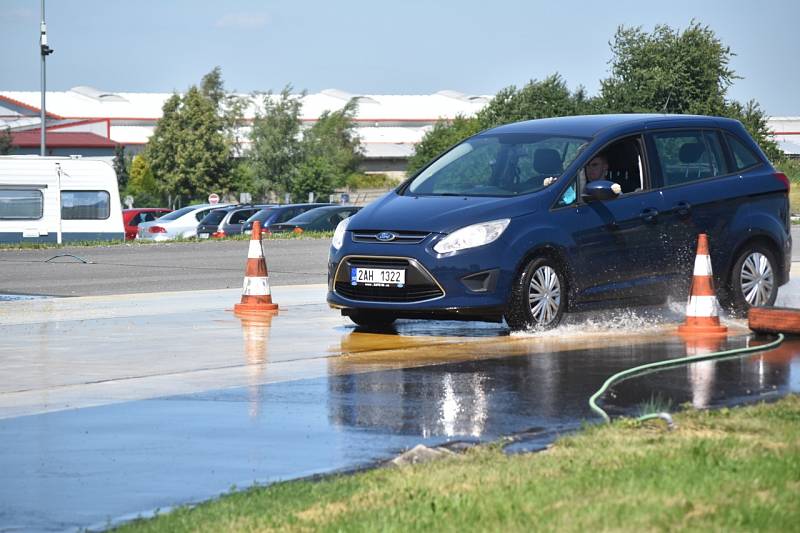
{"x":597,"y":169}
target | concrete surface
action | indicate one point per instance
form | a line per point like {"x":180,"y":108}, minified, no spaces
{"x":171,"y":266}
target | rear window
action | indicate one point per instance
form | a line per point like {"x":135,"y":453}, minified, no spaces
{"x":311,"y":215}
{"x":214,"y":217}
{"x":85,"y":205}
{"x":238,"y":217}
{"x":743,"y":157}
{"x":262,"y":215}
{"x":288,"y":214}
{"x":174,"y":215}
{"x":21,"y":204}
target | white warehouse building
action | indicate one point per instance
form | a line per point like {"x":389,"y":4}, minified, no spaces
{"x":389,"y":125}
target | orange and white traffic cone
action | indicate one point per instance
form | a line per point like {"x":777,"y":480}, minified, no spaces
{"x":702,"y":311}
{"x":256,"y":297}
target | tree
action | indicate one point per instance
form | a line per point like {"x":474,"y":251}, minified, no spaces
{"x":142,"y":185}
{"x":121,"y":166}
{"x":276,"y":151}
{"x":212,"y":86}
{"x":687,"y":72}
{"x":189,"y":153}
{"x":668,"y":71}
{"x":5,"y":141}
{"x":230,"y":107}
{"x":549,"y":97}
{"x":331,"y":152}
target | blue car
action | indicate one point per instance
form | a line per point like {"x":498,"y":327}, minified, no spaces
{"x":527,"y":221}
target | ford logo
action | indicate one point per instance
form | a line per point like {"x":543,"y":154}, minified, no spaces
{"x":386,"y":236}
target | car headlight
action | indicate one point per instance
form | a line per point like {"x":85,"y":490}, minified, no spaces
{"x":472,"y":236}
{"x":338,"y":234}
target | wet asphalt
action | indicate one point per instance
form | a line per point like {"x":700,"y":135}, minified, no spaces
{"x":112,"y":409}
{"x":90,"y":467}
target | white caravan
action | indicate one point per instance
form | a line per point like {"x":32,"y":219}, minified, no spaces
{"x":58,"y":199}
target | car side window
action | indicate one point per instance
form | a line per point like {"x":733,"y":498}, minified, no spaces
{"x":287,"y":214}
{"x":240,"y":216}
{"x":687,"y":156}
{"x":625,"y":164}
{"x":743,"y":157}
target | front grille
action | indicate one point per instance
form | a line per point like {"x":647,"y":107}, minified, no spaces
{"x":400,"y":237}
{"x":386,"y":294}
{"x":378,"y":262}
{"x":419,"y":284}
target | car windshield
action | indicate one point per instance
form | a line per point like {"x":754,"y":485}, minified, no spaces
{"x":505,"y":164}
{"x":179,"y":213}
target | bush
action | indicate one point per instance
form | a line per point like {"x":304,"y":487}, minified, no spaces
{"x":790,"y":167}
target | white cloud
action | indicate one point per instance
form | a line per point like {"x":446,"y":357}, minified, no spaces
{"x":243,"y":21}
{"x":21,"y":13}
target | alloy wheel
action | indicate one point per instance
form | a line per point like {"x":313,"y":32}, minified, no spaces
{"x":544,"y":295}
{"x":757,"y":279}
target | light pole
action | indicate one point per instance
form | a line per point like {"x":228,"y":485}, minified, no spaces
{"x":45,"y":51}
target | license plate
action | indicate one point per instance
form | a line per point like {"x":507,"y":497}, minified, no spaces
{"x":377,"y":277}
{"x":202,"y":235}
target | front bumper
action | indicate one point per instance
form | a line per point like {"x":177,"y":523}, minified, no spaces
{"x":471,"y":284}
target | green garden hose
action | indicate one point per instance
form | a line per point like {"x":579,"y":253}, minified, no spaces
{"x":669,"y":363}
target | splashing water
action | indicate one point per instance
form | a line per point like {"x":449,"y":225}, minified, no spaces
{"x":613,"y":321}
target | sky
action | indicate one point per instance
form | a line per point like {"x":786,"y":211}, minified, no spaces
{"x":375,"y":47}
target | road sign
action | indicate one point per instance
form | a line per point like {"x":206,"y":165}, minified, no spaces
{"x":213,"y":198}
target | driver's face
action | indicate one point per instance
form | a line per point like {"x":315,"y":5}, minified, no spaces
{"x":596,"y":169}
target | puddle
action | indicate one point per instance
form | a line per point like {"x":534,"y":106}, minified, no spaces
{"x":21,"y":297}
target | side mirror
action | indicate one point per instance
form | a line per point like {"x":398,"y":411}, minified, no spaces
{"x":600,"y":190}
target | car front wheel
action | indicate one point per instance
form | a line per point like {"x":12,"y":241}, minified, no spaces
{"x":538,"y":298}
{"x":753,"y":281}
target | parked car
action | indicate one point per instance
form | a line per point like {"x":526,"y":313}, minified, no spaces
{"x":181,"y":223}
{"x":505,"y":226}
{"x":319,"y":219}
{"x":226,"y":221}
{"x":135,"y":216}
{"x":276,"y":214}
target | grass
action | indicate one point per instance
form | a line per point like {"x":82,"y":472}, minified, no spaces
{"x":730,"y":469}
{"x":90,"y":244}
{"x":656,"y":404}
{"x":791,"y":167}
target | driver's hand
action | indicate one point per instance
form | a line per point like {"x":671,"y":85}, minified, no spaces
{"x":548,"y":181}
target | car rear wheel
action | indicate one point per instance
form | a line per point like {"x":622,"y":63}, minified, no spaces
{"x":372,"y":319}
{"x":538,"y":298}
{"x":753,"y":280}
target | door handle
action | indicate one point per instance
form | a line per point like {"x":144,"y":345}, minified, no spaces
{"x":683,"y":209}
{"x":649,"y":215}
